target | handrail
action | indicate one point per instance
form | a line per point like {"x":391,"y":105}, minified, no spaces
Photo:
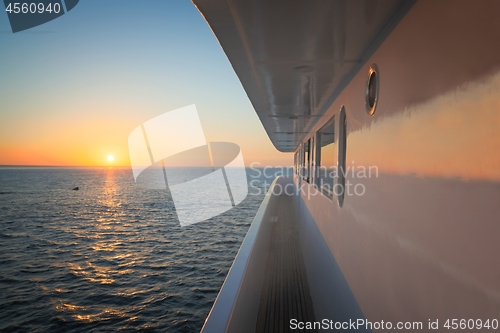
{"x":224,"y":306}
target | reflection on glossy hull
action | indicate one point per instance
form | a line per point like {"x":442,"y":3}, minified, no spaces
{"x":454,"y":135}
{"x":420,"y":242}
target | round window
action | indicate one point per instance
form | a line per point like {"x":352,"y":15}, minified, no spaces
{"x":372,"y":89}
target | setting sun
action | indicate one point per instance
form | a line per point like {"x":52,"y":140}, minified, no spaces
{"x":111,"y":158}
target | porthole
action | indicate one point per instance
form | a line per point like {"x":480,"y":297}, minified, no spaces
{"x":372,"y":89}
{"x":341,"y":161}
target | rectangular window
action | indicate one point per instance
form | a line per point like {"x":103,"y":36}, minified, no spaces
{"x":300,"y":161}
{"x":296,"y":162}
{"x":294,"y":159}
{"x":315,"y":163}
{"x":307,"y":159}
{"x":326,"y":160}
{"x":312,"y":157}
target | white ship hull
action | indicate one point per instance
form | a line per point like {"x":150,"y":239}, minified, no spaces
{"x":421,"y":243}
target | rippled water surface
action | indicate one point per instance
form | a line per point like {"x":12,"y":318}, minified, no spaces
{"x":110,"y":256}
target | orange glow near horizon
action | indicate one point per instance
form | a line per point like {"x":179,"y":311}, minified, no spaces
{"x":92,"y":131}
{"x":78,"y":112}
{"x":453,"y":135}
{"x":28,"y":156}
{"x":78,"y":140}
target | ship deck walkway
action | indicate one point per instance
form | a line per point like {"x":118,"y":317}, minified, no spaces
{"x":285,"y":294}
{"x":267,"y":285}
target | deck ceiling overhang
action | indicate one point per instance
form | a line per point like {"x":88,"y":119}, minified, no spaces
{"x":294,"y":57}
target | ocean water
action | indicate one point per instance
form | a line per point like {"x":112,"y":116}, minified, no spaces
{"x":110,"y":256}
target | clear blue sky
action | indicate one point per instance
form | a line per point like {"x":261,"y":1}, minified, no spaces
{"x":72,"y":89}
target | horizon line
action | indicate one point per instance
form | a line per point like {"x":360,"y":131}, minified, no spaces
{"x":118,"y":166}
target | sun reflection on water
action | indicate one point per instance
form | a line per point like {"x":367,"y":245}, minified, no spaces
{"x":111,"y":258}
{"x":87,"y":314}
{"x":108,"y":257}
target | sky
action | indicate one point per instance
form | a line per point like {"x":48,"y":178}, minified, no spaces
{"x":73,"y":89}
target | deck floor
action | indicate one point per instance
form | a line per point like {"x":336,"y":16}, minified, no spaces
{"x":285,"y":295}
